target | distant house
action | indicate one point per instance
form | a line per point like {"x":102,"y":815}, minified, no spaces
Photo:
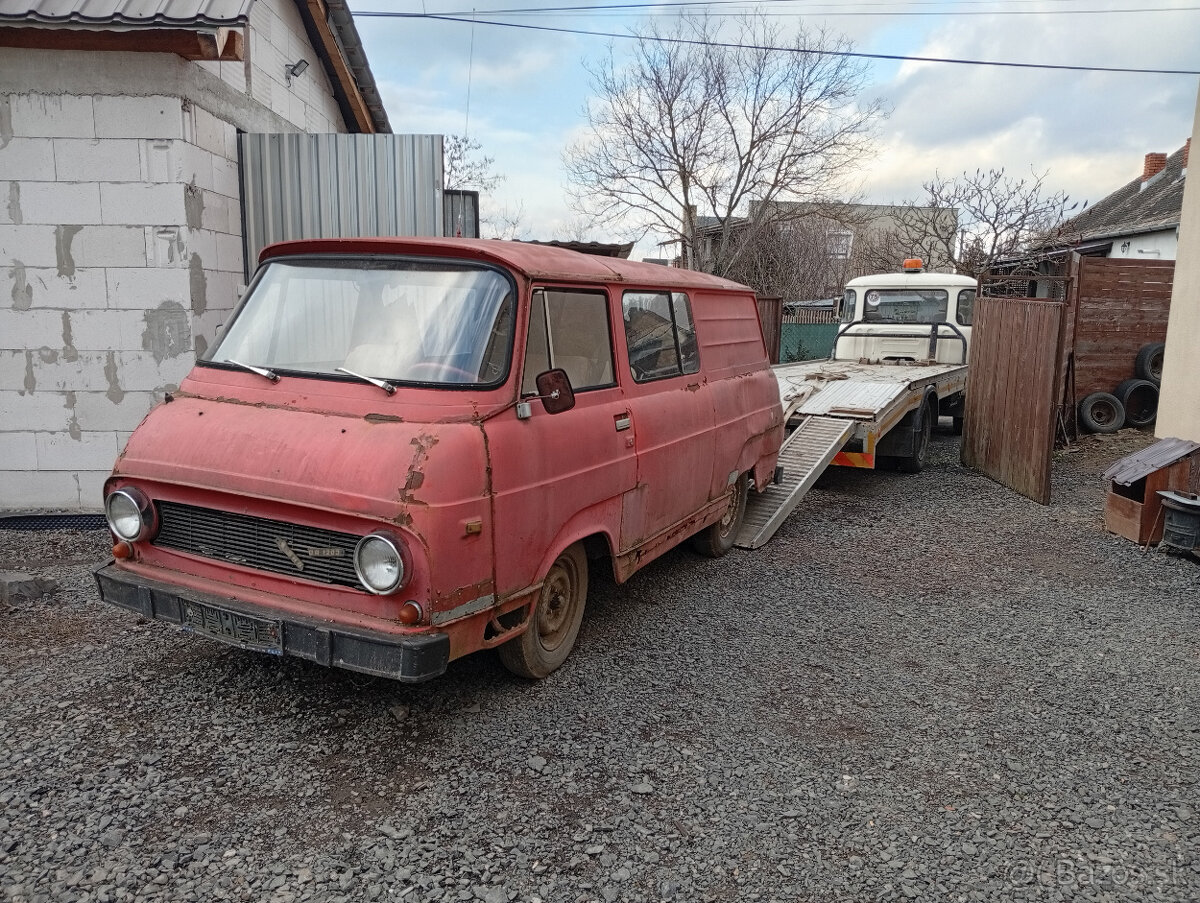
{"x":1140,"y":219}
{"x":121,"y":207}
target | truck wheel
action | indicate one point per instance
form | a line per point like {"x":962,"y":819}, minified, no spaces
{"x":1140,"y":400}
{"x":554,"y":621}
{"x":915,"y":462}
{"x":1149,"y":360}
{"x":1101,"y":412}
{"x":717,"y":539}
{"x":957,"y":426}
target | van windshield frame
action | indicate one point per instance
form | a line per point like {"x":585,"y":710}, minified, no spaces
{"x":435,"y":322}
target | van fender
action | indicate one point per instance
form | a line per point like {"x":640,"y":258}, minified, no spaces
{"x":759,"y":455}
{"x":602,"y":519}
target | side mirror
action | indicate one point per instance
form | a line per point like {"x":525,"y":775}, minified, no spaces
{"x":554,"y":389}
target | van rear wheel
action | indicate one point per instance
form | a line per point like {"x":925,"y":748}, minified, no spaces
{"x":554,"y":621}
{"x":717,"y":539}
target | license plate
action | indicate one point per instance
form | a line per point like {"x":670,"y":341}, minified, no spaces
{"x":260,"y":634}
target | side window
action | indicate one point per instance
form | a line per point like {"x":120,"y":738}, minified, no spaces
{"x":848,"y":303}
{"x":569,"y":329}
{"x":661,"y":335}
{"x":965,"y":312}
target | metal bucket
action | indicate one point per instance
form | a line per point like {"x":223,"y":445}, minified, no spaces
{"x":1181,"y":524}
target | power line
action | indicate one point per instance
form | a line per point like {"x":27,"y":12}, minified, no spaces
{"x":828,"y":10}
{"x":846,"y":53}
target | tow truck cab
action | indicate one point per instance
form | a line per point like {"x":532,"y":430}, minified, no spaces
{"x":907,"y":316}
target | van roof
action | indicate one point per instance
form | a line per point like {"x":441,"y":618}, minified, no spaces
{"x":543,"y":262}
{"x":912,"y":280}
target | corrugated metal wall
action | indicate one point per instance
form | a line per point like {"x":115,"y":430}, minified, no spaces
{"x":338,"y":186}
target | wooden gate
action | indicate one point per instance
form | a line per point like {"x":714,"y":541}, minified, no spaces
{"x":1011,"y":408}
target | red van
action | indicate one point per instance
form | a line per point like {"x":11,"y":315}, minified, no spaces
{"x":401,"y":451}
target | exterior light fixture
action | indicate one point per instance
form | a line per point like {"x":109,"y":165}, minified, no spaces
{"x":294,"y":69}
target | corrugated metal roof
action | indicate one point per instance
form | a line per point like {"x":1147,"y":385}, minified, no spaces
{"x":1141,"y":464}
{"x":209,"y":13}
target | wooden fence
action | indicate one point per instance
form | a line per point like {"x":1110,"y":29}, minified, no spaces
{"x":1011,"y":409}
{"x":1114,"y":307}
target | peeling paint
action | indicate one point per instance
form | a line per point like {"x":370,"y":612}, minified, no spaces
{"x":199,"y":284}
{"x":193,"y":206}
{"x":48,"y":355}
{"x":167,"y":333}
{"x":63,"y":236}
{"x":69,"y":352}
{"x":115,"y":393}
{"x":30,"y":379}
{"x":73,"y":423}
{"x":22,"y":291}
{"x":15,"y":216}
{"x":6,"y":129}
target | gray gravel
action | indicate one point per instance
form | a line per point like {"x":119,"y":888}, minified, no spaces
{"x":925,"y":687}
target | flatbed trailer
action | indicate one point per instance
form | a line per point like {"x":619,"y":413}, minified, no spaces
{"x":850,"y":414}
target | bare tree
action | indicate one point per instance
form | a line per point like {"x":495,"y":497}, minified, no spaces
{"x":465,"y":167}
{"x":997,"y":216}
{"x":690,"y":127}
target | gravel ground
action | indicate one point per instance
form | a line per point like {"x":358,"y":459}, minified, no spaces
{"x":925,"y":687}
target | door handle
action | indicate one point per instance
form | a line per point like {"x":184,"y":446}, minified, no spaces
{"x":622,"y":422}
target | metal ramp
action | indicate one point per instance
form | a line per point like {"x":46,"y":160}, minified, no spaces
{"x":804,"y":456}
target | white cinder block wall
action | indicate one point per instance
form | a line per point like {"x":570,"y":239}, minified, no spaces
{"x":120,"y":237}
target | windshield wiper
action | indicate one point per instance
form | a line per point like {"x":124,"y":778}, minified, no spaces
{"x":261,"y":371}
{"x":382,"y":383}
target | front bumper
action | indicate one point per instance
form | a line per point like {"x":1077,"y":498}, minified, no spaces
{"x":410,"y":658}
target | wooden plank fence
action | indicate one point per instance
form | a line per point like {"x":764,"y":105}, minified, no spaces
{"x":1011,"y":410}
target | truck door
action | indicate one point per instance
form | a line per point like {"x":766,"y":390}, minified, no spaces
{"x":672,"y":414}
{"x":550,"y":468}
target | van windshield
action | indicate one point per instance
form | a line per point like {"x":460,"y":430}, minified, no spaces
{"x":395,"y":320}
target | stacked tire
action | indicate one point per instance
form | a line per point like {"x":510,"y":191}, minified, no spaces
{"x":1134,"y":402}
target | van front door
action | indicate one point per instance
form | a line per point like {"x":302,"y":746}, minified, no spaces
{"x":566,"y":471}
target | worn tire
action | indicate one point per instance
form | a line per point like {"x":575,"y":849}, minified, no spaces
{"x":717,"y":539}
{"x":1139,"y":397}
{"x":554,"y":621}
{"x":915,"y":462}
{"x":1148,"y":363}
{"x":1101,"y":412}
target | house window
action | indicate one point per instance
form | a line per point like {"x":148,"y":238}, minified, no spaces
{"x":661,"y":335}
{"x":840,"y":244}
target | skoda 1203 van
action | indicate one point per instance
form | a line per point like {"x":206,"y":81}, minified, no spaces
{"x":402,"y":451}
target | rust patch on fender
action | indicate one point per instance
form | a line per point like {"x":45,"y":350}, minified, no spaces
{"x":416,"y":475}
{"x":383,"y":418}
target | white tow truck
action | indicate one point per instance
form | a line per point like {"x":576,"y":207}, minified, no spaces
{"x":899,"y":363}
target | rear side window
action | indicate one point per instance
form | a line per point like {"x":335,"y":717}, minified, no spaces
{"x":661,"y":335}
{"x":965,"y":312}
{"x":569,"y":330}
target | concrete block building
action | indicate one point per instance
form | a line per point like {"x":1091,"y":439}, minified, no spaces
{"x":120,"y":204}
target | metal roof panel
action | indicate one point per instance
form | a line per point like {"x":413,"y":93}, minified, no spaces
{"x":209,"y":13}
{"x":1162,"y":453}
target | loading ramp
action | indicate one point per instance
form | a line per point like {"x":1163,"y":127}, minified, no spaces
{"x":804,"y":456}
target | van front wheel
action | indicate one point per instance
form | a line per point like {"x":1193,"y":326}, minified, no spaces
{"x":717,"y":539}
{"x":554,"y":621}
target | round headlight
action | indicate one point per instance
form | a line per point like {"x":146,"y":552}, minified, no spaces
{"x":379,"y":564}
{"x":130,"y":514}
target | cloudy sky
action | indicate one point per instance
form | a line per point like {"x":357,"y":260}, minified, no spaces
{"x":521,"y":93}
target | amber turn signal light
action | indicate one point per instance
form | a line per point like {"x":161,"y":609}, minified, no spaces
{"x":410,"y":613}
{"x":122,"y":551}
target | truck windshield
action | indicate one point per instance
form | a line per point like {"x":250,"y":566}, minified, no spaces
{"x":905,"y":305}
{"x":400,"y":321}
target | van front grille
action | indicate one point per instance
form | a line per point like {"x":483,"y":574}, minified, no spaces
{"x":308,"y":553}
